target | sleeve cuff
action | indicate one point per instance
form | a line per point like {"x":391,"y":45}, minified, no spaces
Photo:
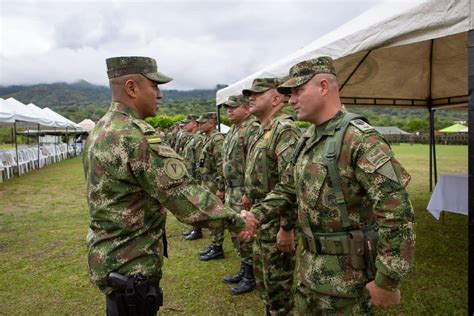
{"x":386,"y":283}
{"x":237,"y":224}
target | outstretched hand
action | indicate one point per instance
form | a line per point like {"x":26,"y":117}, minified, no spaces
{"x":251,"y":226}
{"x":382,"y":298}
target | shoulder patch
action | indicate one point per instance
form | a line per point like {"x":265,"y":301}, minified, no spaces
{"x":362,"y":125}
{"x":165,"y":151}
{"x":174,"y":168}
{"x":146,"y":128}
{"x":388,"y":171}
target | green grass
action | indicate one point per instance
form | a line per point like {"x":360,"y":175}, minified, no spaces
{"x":43,"y":224}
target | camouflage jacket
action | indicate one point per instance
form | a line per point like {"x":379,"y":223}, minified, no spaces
{"x":234,"y":152}
{"x":373,"y":184}
{"x":191,"y":152}
{"x":182,"y":140}
{"x":131,"y":178}
{"x":210,"y":162}
{"x":270,"y":152}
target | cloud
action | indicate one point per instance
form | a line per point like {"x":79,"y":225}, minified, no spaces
{"x":198,"y":43}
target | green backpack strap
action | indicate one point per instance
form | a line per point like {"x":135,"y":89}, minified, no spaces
{"x":331,"y":154}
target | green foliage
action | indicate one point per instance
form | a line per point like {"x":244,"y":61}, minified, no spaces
{"x":164,"y":121}
{"x":302,"y":124}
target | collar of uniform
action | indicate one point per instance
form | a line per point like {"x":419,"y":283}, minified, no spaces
{"x":277,"y":116}
{"x":124,"y":109}
{"x":329,"y":127}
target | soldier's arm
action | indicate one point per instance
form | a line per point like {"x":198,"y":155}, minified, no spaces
{"x":162,"y":173}
{"x":384,"y":180}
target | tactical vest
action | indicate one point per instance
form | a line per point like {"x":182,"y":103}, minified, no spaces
{"x":360,"y":244}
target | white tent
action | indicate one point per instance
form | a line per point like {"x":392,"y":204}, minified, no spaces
{"x":62,"y":121}
{"x":224,"y":128}
{"x":20,"y":114}
{"x":41,"y":114}
{"x":86,"y":124}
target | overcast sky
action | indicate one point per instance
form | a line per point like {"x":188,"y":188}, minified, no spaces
{"x":198,"y":43}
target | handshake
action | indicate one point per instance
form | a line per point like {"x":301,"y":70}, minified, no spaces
{"x":251,"y":226}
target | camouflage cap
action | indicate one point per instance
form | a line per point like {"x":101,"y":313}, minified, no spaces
{"x":128,"y":65}
{"x":235,"y":101}
{"x":206,"y":116}
{"x":189,"y":118}
{"x":303,"y":71}
{"x":260,"y":85}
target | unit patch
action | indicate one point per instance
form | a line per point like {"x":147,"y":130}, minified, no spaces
{"x":174,"y":168}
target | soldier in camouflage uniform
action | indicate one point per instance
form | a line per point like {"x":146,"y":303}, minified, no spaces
{"x":131,"y":177}
{"x":210,"y":173}
{"x":234,"y":152}
{"x":189,"y":125}
{"x":191,"y":152}
{"x":270,"y":152}
{"x":173,"y":135}
{"x":341,"y":201}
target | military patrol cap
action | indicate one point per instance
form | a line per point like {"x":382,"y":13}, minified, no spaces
{"x":260,"y":85}
{"x":303,"y":71}
{"x":128,"y":65}
{"x":206,"y":116}
{"x":189,"y":118}
{"x":236,"y":101}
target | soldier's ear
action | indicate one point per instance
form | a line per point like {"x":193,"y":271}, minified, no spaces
{"x":131,"y":88}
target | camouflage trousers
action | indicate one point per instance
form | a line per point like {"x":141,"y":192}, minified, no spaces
{"x":273,"y":271}
{"x":309,"y":302}
{"x":217,"y":234}
{"x":243,"y":249}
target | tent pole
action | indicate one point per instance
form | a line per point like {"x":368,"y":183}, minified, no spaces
{"x":16,"y":149}
{"x":38,"y":140}
{"x":67,"y":143}
{"x":75,"y":144}
{"x":218,"y":117}
{"x":435,"y":165}
{"x":470,"y":72}
{"x":55,"y":145}
{"x":431,"y":148}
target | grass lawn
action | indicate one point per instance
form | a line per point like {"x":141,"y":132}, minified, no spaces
{"x":43,"y":224}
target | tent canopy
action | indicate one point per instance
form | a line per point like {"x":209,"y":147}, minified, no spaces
{"x":86,"y":124}
{"x":456,"y":128}
{"x":390,"y":130}
{"x":397,"y":54}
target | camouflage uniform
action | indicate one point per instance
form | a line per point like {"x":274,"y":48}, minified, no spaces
{"x":373,"y":185}
{"x":234,"y":151}
{"x":192,"y":151}
{"x":210,"y":170}
{"x":131,"y":177}
{"x":269,"y":154}
{"x":182,"y":140}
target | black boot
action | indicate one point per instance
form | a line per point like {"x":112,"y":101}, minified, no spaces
{"x":189,"y":231}
{"x":247,"y":284}
{"x":235,"y":278}
{"x":195,"y":234}
{"x":203,"y":252}
{"x":215,"y":253}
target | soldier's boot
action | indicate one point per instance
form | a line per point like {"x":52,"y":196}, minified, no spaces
{"x":214,"y":254}
{"x":203,"y":252}
{"x":247,"y":284}
{"x":267,"y":310}
{"x":189,"y":231}
{"x":235,"y":278}
{"x":195,"y":234}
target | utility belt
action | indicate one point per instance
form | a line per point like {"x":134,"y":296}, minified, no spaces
{"x":360,"y":244}
{"x":234,"y":183}
{"x":208,"y":177}
{"x":133,"y":296}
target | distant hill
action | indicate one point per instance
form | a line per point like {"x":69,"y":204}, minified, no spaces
{"x":60,"y":95}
